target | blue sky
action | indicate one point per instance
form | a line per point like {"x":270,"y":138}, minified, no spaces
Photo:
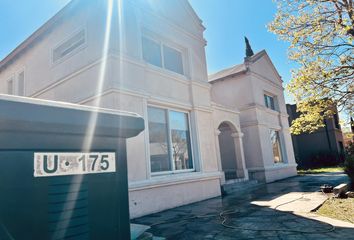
{"x":227,"y":22}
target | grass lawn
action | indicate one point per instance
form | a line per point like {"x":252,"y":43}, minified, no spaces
{"x":320,"y":170}
{"x":342,"y":209}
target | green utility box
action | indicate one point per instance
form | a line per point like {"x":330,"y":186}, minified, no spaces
{"x":63,"y":170}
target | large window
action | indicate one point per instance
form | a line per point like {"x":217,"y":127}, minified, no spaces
{"x":269,"y":101}
{"x":170,"y":145}
{"x":276,"y":146}
{"x":162,"y":56}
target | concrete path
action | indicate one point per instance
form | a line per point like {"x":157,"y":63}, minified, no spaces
{"x":278,"y":210}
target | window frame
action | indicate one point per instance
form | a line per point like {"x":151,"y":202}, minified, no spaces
{"x":10,"y":79}
{"x":267,"y":95}
{"x":280,"y":146}
{"x":167,"y":111}
{"x":163,"y":44}
{"x":73,"y":52}
{"x":18,"y":81}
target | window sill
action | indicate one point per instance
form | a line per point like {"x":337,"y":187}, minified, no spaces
{"x":165,"y":72}
{"x":173,"y":179}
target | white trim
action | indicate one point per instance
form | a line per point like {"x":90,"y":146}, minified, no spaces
{"x":272,"y":167}
{"x":175,"y":179}
{"x":18,"y":72}
{"x":223,"y":108}
{"x":163,"y":42}
{"x":264,"y":79}
{"x":56,"y":83}
{"x":146,"y":139}
{"x":167,"y":21}
{"x":65,"y":105}
{"x":11,"y":78}
{"x":167,"y":112}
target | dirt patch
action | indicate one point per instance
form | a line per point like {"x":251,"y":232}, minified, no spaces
{"x":342,"y":209}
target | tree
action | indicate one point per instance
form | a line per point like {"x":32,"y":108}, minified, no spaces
{"x":321,"y":34}
{"x":249,"y":51}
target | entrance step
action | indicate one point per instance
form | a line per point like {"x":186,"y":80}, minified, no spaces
{"x":237,"y":185}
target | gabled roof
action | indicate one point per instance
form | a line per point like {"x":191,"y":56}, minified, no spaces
{"x":234,"y":70}
{"x":45,"y":28}
{"x":241,"y":68}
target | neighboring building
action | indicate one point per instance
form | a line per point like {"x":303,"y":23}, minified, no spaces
{"x":151,"y":61}
{"x":325,"y":143}
{"x":255,"y":89}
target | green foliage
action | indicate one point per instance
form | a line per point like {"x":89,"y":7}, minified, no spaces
{"x":321,"y":37}
{"x":349,"y":163}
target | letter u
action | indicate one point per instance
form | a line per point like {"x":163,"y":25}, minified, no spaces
{"x":55,"y":164}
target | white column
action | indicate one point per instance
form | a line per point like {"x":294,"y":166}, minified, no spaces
{"x":240,"y":156}
{"x":218,"y":155}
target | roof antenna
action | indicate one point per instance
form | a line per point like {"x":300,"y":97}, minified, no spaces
{"x":249,"y":51}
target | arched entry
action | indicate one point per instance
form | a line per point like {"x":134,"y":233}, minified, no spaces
{"x":231,"y":152}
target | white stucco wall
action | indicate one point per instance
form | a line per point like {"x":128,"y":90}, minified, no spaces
{"x":245,"y":91}
{"x":131,"y":84}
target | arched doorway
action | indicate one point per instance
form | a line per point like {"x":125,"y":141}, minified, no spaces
{"x":231,"y":152}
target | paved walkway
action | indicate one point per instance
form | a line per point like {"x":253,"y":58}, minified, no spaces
{"x":261,"y":213}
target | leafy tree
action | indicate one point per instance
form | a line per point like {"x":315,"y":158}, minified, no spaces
{"x":321,"y":34}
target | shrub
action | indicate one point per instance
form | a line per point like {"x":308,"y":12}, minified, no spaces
{"x":349,"y":163}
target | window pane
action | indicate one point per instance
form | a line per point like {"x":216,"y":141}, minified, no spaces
{"x":173,"y":60}
{"x":158,"y":135}
{"x":274,"y":137}
{"x":152,"y":52}
{"x":271,"y":100}
{"x":21,"y":84}
{"x":181,"y":146}
{"x":266,"y":101}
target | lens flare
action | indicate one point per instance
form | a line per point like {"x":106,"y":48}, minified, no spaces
{"x":90,"y":131}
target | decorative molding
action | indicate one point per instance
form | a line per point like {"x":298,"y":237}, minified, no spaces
{"x":273,"y":167}
{"x":237,"y":135}
{"x":174,"y":179}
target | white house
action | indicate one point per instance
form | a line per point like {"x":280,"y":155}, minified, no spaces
{"x":148,"y":57}
{"x":255,"y":89}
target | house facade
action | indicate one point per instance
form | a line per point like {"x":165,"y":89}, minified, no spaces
{"x":148,"y":57}
{"x":255,"y":89}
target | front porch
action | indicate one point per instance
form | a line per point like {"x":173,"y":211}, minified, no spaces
{"x":230,"y":154}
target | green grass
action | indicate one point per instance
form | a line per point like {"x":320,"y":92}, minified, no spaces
{"x":320,"y":170}
{"x":342,"y":209}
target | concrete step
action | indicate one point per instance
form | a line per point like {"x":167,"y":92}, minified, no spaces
{"x":242,"y":186}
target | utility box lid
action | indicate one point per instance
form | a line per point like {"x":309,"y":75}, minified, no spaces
{"x":26,"y":120}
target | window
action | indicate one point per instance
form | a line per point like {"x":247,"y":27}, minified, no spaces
{"x":269,"y":101}
{"x":162,"y":56}
{"x":173,"y":60}
{"x":276,"y":146}
{"x":336,"y":121}
{"x":21,"y":84}
{"x":152,"y":52}
{"x":10,"y":86}
{"x":69,"y":46}
{"x":169,"y":138}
